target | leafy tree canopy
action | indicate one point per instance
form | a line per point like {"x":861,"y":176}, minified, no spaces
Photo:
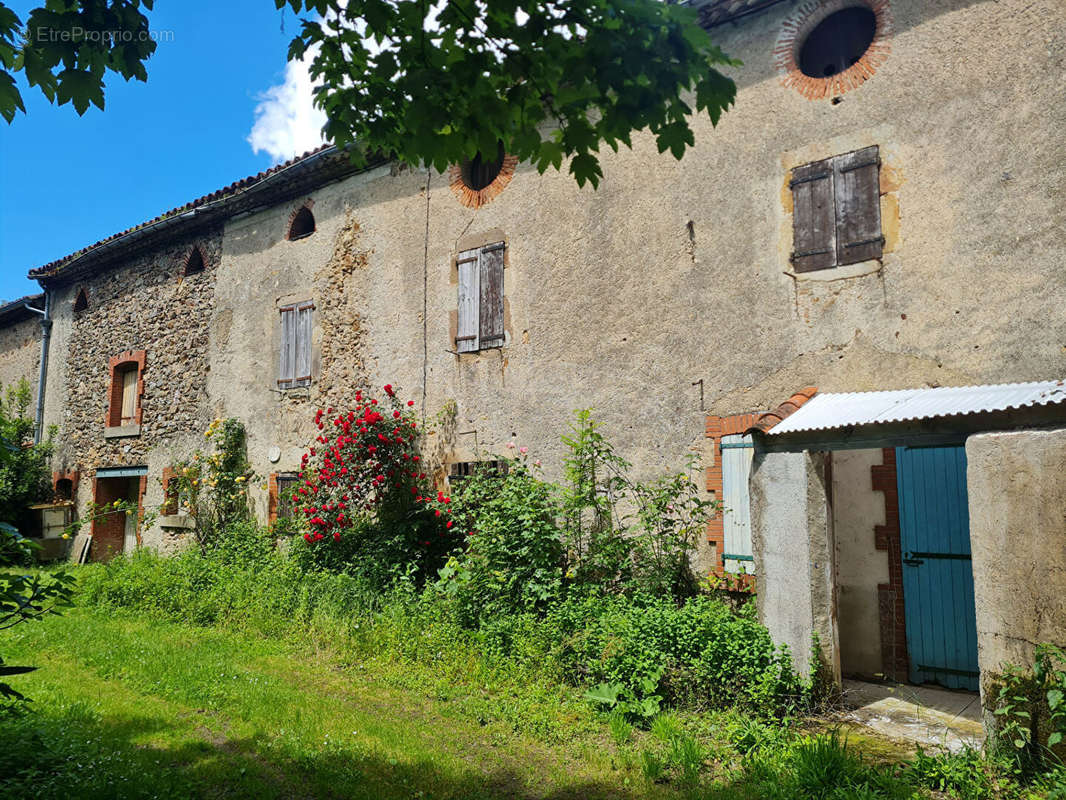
{"x":435,"y":83}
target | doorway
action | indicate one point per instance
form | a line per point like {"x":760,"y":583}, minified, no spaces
{"x":115,"y":532}
{"x":938,"y":594}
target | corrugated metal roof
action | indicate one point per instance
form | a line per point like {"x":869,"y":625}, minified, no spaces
{"x":825,"y":411}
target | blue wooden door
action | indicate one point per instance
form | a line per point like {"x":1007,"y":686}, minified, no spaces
{"x":934,"y":523}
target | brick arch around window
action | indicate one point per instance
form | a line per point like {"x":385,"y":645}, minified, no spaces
{"x":476,"y":198}
{"x":303,"y":208}
{"x":803,"y":21}
{"x":195,"y":261}
{"x":119,"y":366}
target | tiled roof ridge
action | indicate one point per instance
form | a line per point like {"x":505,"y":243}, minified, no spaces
{"x":786,"y":409}
{"x":225,"y":191}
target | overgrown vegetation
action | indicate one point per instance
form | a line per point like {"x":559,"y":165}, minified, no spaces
{"x":25,"y":477}
{"x":560,"y":614}
{"x":24,"y":598}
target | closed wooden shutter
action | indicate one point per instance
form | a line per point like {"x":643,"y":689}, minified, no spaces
{"x":287,"y":367}
{"x":294,"y":367}
{"x":303,"y":345}
{"x":858,"y":206}
{"x":491,"y":278}
{"x":129,"y":396}
{"x":467,"y":331}
{"x":813,"y":218}
{"x":737,"y":453}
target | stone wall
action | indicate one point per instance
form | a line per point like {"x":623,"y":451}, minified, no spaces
{"x":149,"y":304}
{"x":20,"y":354}
{"x":1017,"y":493}
{"x":791,"y":540}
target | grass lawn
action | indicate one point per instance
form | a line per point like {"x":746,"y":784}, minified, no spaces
{"x":127,"y":707}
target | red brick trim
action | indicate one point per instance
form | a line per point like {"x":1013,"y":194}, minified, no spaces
{"x":196,"y":248}
{"x":476,"y":198}
{"x":272,"y":498}
{"x":170,"y":504}
{"x":717,"y":427}
{"x":786,"y":409}
{"x":308,"y":204}
{"x":114,"y":406}
{"x":803,"y":20}
{"x":71,"y":476}
{"x":142,"y":488}
{"x":81,"y":295}
{"x":895,"y":662}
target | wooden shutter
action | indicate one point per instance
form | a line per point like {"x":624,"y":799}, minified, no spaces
{"x":737,"y":453}
{"x":302,"y":345}
{"x":858,"y":206}
{"x":491,"y":275}
{"x":466,"y":338}
{"x":813,"y":217}
{"x":287,"y":367}
{"x":129,"y":396}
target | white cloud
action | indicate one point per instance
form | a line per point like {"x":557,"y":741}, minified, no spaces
{"x":287,"y":123}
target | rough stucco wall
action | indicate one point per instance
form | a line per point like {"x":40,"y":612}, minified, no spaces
{"x":1017,"y":488}
{"x":860,"y":566}
{"x":145,"y":304}
{"x":611,"y":303}
{"x":794,"y":569}
{"x":20,"y":355}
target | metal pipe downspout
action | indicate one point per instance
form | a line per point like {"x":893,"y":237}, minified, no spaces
{"x":42,"y":378}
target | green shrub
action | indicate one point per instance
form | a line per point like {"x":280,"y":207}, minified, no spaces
{"x":25,"y":476}
{"x":512,"y":563}
{"x":700,"y":655}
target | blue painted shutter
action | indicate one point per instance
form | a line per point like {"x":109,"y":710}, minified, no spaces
{"x":736,"y":454}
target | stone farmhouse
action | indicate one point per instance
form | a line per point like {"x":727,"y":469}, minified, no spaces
{"x":847,"y":300}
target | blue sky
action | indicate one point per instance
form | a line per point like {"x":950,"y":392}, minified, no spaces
{"x":67,"y":181}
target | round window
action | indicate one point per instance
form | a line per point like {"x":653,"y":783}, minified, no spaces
{"x":479,"y":171}
{"x":837,"y":42}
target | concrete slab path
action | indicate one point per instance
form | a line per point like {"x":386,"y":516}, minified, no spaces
{"x":921,"y":715}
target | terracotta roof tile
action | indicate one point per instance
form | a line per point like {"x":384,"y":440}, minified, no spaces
{"x":225,"y":191}
{"x":787,"y":408}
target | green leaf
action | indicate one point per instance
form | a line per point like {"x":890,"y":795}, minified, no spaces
{"x":1054,"y":698}
{"x":605,"y":694}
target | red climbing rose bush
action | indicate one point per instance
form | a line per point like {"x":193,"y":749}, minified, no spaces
{"x":364,"y":495}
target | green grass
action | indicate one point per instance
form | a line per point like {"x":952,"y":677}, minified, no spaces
{"x":322,"y":694}
{"x":132,"y":708}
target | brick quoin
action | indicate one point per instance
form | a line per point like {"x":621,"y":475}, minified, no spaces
{"x":170,"y":503}
{"x":895,"y":661}
{"x":272,"y":498}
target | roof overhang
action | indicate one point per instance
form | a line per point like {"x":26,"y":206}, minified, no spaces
{"x":943,"y":415}
{"x":278,"y":184}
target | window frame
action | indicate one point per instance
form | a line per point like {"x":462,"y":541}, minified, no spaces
{"x":289,"y":340}
{"x":826,"y":217}
{"x":480,"y":303}
{"x":120,"y":366}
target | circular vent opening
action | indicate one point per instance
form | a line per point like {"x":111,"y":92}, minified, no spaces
{"x":479,"y":171}
{"x":837,"y":42}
